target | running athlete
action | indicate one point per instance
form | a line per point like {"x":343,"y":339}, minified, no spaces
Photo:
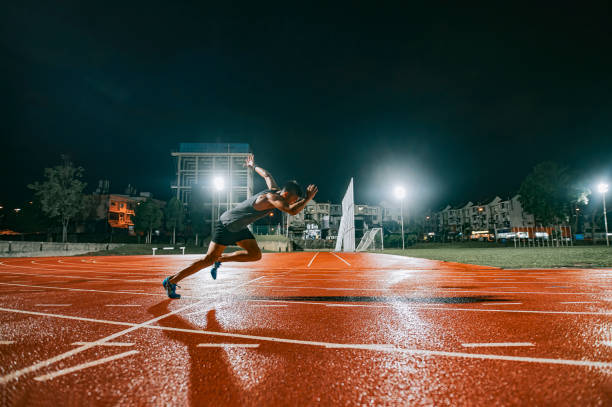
{"x":231,"y":228}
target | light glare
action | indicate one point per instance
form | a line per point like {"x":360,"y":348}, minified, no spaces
{"x":219,"y":183}
{"x":400,"y":192}
{"x":603,"y":188}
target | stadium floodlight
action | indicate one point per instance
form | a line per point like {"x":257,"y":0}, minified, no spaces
{"x":603,"y":188}
{"x":400,"y":193}
{"x":219,"y":183}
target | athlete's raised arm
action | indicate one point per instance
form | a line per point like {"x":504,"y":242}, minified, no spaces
{"x":293,"y":209}
{"x":270,"y":182}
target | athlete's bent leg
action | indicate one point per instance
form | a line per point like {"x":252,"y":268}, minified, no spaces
{"x":214,"y":253}
{"x":251,"y":252}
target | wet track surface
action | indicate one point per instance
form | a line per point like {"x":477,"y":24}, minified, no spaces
{"x":302,"y":329}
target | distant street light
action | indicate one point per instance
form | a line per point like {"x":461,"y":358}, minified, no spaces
{"x":603,"y":188}
{"x":400,"y":193}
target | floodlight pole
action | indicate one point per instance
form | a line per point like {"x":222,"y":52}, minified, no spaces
{"x":402,"y":217}
{"x":212,"y":213}
{"x":603,"y":194}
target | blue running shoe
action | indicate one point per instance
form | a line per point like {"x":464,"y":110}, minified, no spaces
{"x":213,"y":270}
{"x":170,"y":288}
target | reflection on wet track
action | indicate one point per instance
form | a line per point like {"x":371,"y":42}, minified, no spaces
{"x":299,"y":329}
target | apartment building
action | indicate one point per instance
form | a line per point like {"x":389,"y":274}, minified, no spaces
{"x":213,"y":174}
{"x":492,"y":214}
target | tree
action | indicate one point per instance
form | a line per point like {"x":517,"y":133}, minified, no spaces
{"x":175,"y":215}
{"x":88,"y":215}
{"x":30,"y":219}
{"x":199,"y":222}
{"x":550,"y":193}
{"x":61,"y":194}
{"x":147,"y":216}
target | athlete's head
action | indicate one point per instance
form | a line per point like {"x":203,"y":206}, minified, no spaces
{"x":292,"y":191}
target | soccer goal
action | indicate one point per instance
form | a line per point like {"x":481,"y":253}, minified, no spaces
{"x":371,"y":240}
{"x":346,"y":231}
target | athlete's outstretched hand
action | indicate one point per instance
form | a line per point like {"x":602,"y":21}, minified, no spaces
{"x":311,"y":191}
{"x":250,"y":161}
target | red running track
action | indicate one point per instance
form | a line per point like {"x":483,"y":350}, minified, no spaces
{"x":302,"y":329}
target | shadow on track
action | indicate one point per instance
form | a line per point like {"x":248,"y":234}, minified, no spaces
{"x":209,"y":372}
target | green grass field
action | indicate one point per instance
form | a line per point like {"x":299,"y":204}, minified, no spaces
{"x":577,"y":256}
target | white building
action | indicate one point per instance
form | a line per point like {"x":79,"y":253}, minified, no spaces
{"x":199,"y":166}
{"x":493,"y":214}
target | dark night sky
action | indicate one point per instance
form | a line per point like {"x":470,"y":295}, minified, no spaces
{"x":457,"y":102}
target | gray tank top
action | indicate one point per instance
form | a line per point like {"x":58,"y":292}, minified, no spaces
{"x":244,"y":214}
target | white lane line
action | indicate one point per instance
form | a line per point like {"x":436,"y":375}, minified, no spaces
{"x":6,"y":342}
{"x":501,"y":344}
{"x":428,"y":290}
{"x":423,"y":352}
{"x":84,"y":366}
{"x":445,"y":308}
{"x":501,"y":303}
{"x":53,"y":305}
{"x":95,"y":291}
{"x":104,"y":343}
{"x":288,"y":302}
{"x":270,"y":305}
{"x":606,"y":343}
{"x":98,"y":270}
{"x":228,"y":345}
{"x":322,"y":288}
{"x":46,"y":314}
{"x":358,"y":305}
{"x":579,"y":302}
{"x":370,"y":346}
{"x":78,"y":278}
{"x":45,"y":363}
{"x":123,"y":305}
{"x":313,"y":257}
{"x":347,"y":263}
{"x":62,"y":356}
{"x":198,"y":312}
{"x":301,"y":342}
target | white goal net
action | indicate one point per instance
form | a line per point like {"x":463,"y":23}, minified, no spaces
{"x":346,"y":231}
{"x":371,"y":240}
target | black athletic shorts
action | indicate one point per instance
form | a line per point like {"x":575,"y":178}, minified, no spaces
{"x":223,"y":236}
